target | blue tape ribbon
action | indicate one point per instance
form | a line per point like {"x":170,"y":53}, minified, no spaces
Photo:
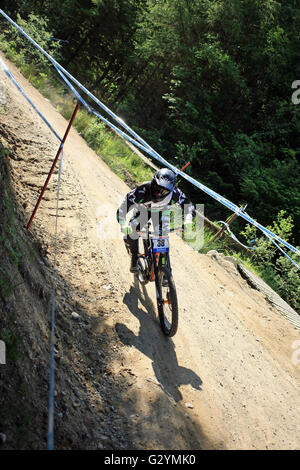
{"x":139,"y":142}
{"x":234,"y":237}
{"x":91,"y":110}
{"x":12,"y":78}
{"x":55,"y":63}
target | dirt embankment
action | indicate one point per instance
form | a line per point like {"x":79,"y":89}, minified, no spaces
{"x":226,"y":380}
{"x":85,"y":390}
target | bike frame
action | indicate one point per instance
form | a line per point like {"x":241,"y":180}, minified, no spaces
{"x":157,"y":260}
{"x":154,"y":265}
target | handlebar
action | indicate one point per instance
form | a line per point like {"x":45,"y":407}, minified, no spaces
{"x":150,"y":234}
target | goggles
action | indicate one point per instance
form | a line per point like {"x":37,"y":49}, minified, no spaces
{"x":159,"y":191}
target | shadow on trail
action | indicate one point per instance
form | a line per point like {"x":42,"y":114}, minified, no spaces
{"x":152,"y":342}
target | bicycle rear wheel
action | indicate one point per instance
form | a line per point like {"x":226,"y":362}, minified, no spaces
{"x":167,"y":302}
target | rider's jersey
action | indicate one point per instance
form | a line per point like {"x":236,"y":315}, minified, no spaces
{"x":141,"y":197}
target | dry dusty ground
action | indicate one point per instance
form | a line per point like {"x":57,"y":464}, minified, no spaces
{"x":225,"y":381}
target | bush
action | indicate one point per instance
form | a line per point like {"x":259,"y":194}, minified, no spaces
{"x":276,"y":269}
{"x":21,"y":51}
{"x":288,"y":281}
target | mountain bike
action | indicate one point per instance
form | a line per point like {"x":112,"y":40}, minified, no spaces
{"x":154,"y":265}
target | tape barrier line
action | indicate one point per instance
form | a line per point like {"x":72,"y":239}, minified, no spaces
{"x":234,"y":237}
{"x":222,"y":200}
{"x":91,"y":110}
{"x":12,"y":78}
{"x":282,"y":251}
{"x":55,"y":63}
{"x":253,"y":248}
{"x":148,"y":149}
{"x":154,"y":154}
{"x":144,"y":146}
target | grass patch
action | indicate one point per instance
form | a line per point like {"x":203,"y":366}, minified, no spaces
{"x":111,"y":148}
{"x":104,"y":141}
{"x":210,"y":244}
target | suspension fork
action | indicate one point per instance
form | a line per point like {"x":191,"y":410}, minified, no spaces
{"x":156,"y":264}
{"x":160,"y":260}
{"x":156,"y":260}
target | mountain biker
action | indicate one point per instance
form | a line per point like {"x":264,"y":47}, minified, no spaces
{"x":152,"y":199}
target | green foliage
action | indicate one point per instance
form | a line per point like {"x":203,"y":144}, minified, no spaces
{"x":275,"y":268}
{"x":12,"y":42}
{"x":210,"y":244}
{"x":205,"y":81}
{"x":287,"y":280}
{"x":112,"y":148}
{"x":264,"y":248}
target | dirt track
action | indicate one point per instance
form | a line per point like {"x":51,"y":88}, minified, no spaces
{"x":227,"y":379}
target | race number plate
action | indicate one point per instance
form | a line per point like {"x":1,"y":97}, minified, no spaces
{"x":160,"y":245}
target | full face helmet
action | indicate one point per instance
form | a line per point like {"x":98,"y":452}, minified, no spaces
{"x":163,"y":183}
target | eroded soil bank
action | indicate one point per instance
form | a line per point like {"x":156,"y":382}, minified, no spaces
{"x":225,"y":381}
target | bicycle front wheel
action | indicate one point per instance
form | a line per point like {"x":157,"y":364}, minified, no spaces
{"x":167,"y":302}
